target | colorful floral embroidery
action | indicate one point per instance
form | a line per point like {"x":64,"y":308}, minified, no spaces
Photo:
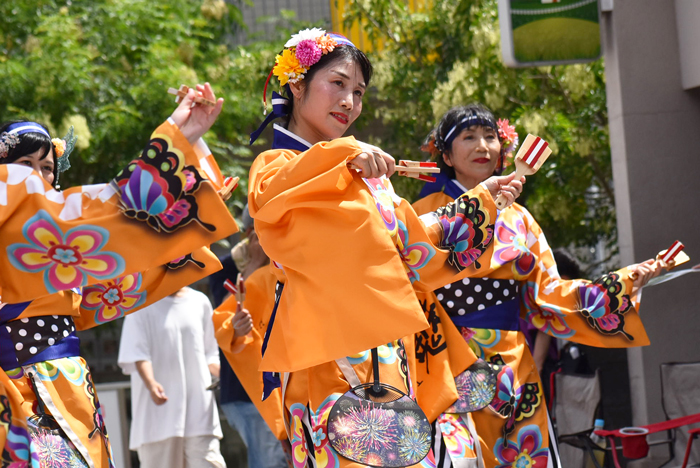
{"x":481,"y":340}
{"x":325,"y":456}
{"x":382,"y":192}
{"x":511,"y":247}
{"x":66,"y":259}
{"x":466,"y":231}
{"x":112,"y":300}
{"x":528,"y":452}
{"x":298,"y":438}
{"x":604,"y":304}
{"x":159,"y":189}
{"x":455,"y":433}
{"x":16,"y":453}
{"x":547,"y":318}
{"x":414,"y":256}
{"x":72,"y":368}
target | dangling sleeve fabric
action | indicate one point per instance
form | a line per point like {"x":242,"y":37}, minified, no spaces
{"x":103,"y":302}
{"x":244,"y":354}
{"x":348,"y":286}
{"x":113,"y":299}
{"x":596,"y":313}
{"x":160,"y":207}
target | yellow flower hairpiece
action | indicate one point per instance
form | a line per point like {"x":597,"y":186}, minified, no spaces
{"x":301,"y":52}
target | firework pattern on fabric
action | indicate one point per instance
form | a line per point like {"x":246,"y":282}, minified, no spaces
{"x":392,"y":434}
{"x":476,"y":387}
{"x":51,"y":445}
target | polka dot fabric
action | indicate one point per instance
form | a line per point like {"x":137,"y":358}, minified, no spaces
{"x":475,"y":294}
{"x":34,"y":334}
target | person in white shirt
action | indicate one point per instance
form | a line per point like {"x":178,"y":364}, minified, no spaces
{"x":170,"y":352}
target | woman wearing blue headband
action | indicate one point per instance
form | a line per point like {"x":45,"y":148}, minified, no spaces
{"x":85,"y":256}
{"x":349,"y":253}
{"x":517,"y":278}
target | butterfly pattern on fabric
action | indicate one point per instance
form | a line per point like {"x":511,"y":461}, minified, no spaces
{"x":467,"y":231}
{"x":604,"y":304}
{"x":513,"y":402}
{"x":159,"y":189}
{"x":16,"y":449}
{"x":182,"y":261}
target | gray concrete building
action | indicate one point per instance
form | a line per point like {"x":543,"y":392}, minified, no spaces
{"x":258,"y":16}
{"x":652,"y":54}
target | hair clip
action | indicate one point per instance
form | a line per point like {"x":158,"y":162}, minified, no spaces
{"x":7,"y":142}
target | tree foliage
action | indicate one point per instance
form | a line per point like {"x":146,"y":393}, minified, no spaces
{"x":104,"y":66}
{"x":449,"y":54}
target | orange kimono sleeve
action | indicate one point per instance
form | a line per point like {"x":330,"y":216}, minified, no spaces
{"x":160,"y":207}
{"x":244,"y":355}
{"x":338,"y":238}
{"x":438,"y":247}
{"x":597,"y":313}
{"x":346,"y":288}
{"x":103,"y":302}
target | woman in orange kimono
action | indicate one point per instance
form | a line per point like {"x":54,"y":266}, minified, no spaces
{"x":517,"y":277}
{"x":348,"y":253}
{"x":71,"y":261}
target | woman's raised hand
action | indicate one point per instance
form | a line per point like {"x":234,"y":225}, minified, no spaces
{"x":194,"y":120}
{"x":373,"y":162}
{"x":644,"y":272}
{"x":505,"y":185}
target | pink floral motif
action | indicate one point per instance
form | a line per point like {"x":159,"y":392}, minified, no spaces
{"x":324,"y":454}
{"x":547,"y":318}
{"x":511,"y":247}
{"x":298,"y":438}
{"x":308,"y":53}
{"x":414,"y":256}
{"x":66,"y":259}
{"x":112,"y":300}
{"x":528,"y":452}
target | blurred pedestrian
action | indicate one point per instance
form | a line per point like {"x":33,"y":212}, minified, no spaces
{"x":170,"y":352}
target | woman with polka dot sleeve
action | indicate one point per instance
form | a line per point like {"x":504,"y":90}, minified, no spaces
{"x":517,"y":277}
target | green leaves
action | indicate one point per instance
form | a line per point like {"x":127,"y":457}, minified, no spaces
{"x":106,"y":65}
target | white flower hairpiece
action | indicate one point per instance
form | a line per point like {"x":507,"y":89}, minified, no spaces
{"x":304,"y":34}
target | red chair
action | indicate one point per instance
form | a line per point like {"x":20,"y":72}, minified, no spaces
{"x":634,"y":439}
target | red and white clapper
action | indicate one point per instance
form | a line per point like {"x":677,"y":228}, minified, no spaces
{"x":673,"y":256}
{"x":669,"y":258}
{"x":182,"y":92}
{"x":531,"y":155}
{"x":418,"y":169}
{"x":237,"y":289}
{"x":230,"y":184}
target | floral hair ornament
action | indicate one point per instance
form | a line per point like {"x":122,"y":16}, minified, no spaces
{"x":300,"y":53}
{"x":63,"y":148}
{"x":509,"y":140}
{"x":7,"y":142}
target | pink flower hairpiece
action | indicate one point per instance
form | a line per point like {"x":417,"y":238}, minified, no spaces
{"x":7,"y":142}
{"x":302,"y":52}
{"x":509,"y":140}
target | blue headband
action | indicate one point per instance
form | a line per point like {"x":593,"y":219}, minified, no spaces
{"x":21,"y":128}
{"x":469,"y":121}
